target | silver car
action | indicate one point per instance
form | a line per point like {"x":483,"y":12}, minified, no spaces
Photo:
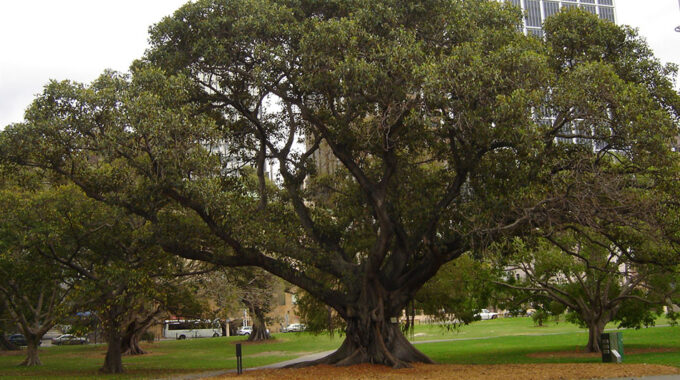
{"x":68,"y":339}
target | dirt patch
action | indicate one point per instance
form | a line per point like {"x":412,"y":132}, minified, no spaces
{"x":13,"y":353}
{"x":454,"y":371}
{"x":581,"y":354}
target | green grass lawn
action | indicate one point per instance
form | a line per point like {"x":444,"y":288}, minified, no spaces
{"x":171,"y":356}
{"x":515,"y":349}
{"x":501,"y":327}
{"x":486,"y":342}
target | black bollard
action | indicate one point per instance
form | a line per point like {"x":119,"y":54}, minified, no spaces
{"x":239,"y":359}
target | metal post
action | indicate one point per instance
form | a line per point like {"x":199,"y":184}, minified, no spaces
{"x":239,"y":359}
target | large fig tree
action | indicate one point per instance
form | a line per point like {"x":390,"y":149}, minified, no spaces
{"x":402,"y":135}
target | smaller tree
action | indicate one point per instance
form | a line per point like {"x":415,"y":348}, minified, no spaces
{"x":55,"y":237}
{"x":147,"y":314}
{"x":222,"y":294}
{"x":256,"y":291}
{"x":33,"y":292}
{"x":174,"y":294}
{"x":593,"y":277}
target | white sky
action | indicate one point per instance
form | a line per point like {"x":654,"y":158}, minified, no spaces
{"x":77,"y":39}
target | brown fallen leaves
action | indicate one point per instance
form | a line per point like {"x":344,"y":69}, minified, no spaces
{"x":451,"y":371}
{"x":596,"y":355}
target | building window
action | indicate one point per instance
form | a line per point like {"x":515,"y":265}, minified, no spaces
{"x":533,"y":15}
{"x":607,"y":13}
{"x":589,"y":8}
{"x":551,"y":7}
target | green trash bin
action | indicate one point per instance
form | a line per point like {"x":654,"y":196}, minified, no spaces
{"x":611,"y":345}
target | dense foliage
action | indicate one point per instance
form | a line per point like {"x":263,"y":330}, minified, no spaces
{"x":431,"y":129}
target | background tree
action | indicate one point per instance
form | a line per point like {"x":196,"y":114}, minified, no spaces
{"x":35,"y":297}
{"x":443,"y":118}
{"x":35,"y":292}
{"x":68,"y":239}
{"x":594,"y":278}
{"x":256,"y":291}
{"x":128,"y":280}
{"x":222,"y":295}
{"x":172,"y":297}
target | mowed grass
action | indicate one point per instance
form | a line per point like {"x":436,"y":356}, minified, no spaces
{"x":508,"y":340}
{"x":501,"y":327}
{"x":166,"y":357}
{"x":558,"y":348}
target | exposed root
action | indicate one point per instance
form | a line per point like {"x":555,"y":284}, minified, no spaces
{"x":340,"y":354}
{"x":401,"y":356}
{"x":135,"y":352}
{"x":33,"y":362}
{"x":357,"y":357}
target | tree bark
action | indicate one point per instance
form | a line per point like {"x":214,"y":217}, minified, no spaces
{"x":595,"y":328}
{"x":375,"y":342}
{"x":32,"y":358}
{"x":114,"y":361}
{"x":259,"y":326}
{"x":373,"y":335}
{"x":130,"y":341}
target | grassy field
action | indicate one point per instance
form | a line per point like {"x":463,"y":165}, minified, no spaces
{"x":511,"y":340}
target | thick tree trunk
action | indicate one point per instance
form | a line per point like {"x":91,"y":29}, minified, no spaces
{"x":130,"y":341}
{"x":373,"y":336}
{"x":259,"y":326}
{"x":373,"y":342}
{"x":595,"y":328}
{"x":32,"y":358}
{"x":114,"y":361}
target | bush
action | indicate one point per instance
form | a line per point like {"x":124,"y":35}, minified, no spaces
{"x":540,"y":316}
{"x":148,"y":336}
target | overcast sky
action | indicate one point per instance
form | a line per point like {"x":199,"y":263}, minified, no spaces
{"x":77,"y":39}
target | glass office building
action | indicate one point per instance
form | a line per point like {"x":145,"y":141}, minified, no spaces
{"x":536,"y":11}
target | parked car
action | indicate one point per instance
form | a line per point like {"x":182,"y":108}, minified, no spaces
{"x":244,"y":330}
{"x":486,"y":314}
{"x":17,"y":339}
{"x":68,"y":339}
{"x":295,"y":327}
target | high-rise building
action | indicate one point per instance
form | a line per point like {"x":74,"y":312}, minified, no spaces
{"x":536,"y":11}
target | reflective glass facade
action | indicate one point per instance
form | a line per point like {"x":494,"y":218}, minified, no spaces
{"x":536,"y":11}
